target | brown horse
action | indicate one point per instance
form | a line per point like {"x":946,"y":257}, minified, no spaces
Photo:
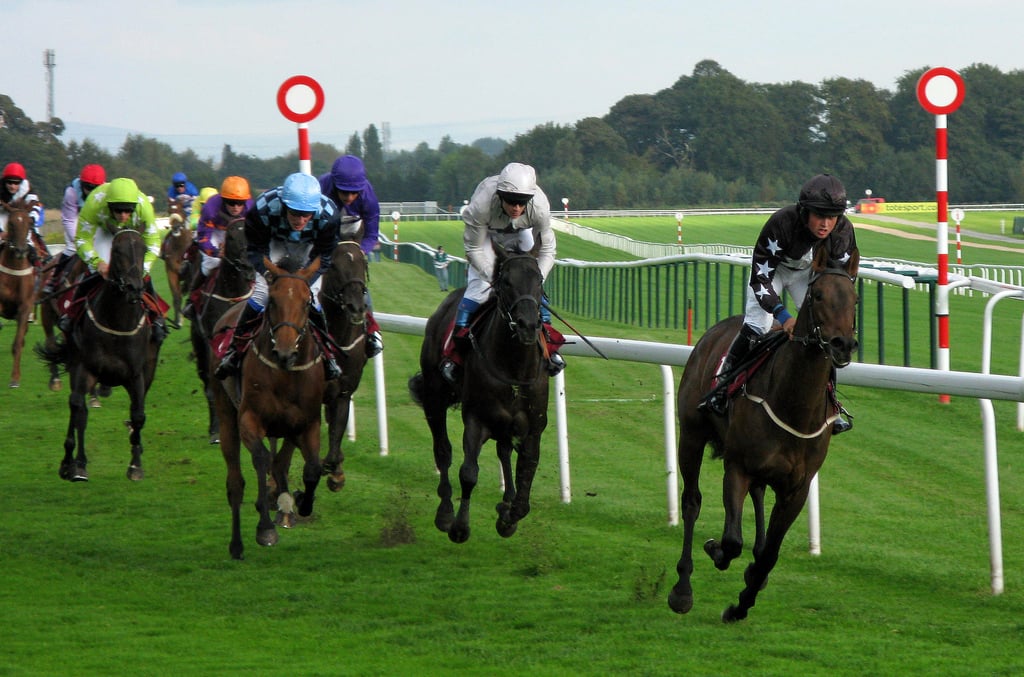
{"x":506,"y":386}
{"x":343,"y":297}
{"x":278,"y":394}
{"x":173,"y":251}
{"x":231,"y":283}
{"x":17,"y":278}
{"x":775,"y":434}
{"x":109,"y":343}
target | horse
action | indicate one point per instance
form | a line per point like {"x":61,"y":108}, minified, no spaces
{"x":343,"y":298}
{"x":173,"y":251}
{"x":503,"y":393}
{"x":231,"y":283}
{"x":110,"y":343}
{"x":17,"y":278}
{"x":277,"y":394}
{"x":776,"y":432}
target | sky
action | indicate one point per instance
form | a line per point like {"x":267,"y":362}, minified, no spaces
{"x":204,"y":73}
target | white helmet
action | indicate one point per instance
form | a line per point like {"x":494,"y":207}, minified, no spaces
{"x":517,"y":182}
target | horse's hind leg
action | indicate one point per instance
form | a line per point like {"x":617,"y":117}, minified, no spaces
{"x":311,"y":470}
{"x":690,"y":456}
{"x":756,"y":575}
{"x":337,"y":413}
{"x":735,"y":486}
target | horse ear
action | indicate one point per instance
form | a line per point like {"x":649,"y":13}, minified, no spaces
{"x":820,"y":261}
{"x":271,"y":267}
{"x":853,"y":264}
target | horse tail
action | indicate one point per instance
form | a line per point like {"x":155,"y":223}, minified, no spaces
{"x":55,"y":355}
{"x":416,"y":388}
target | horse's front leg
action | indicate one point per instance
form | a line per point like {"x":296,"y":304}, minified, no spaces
{"x":337,"y":413}
{"x":437,"y":420}
{"x":787,"y":507}
{"x":735,"y":486}
{"x":691,"y":457}
{"x":278,"y":491}
{"x":312,"y":469}
{"x":757,"y":500}
{"x":252,"y":435}
{"x":473,"y":436}
{"x":137,"y":395}
{"x":509,"y":514}
{"x":235,"y":483}
{"x":19,"y":345}
{"x":73,"y":468}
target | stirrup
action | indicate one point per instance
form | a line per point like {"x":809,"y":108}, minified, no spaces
{"x":228,"y":365}
{"x":448,"y":369}
{"x":374,"y":345}
{"x":715,"y":402}
{"x":555,"y":364}
{"x":841,"y":425}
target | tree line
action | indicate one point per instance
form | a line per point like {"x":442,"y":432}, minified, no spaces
{"x":711,"y":139}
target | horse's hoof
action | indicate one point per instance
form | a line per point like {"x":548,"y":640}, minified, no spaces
{"x":506,"y":529}
{"x":94,"y":402}
{"x":458,"y":535}
{"x":79,"y":474}
{"x":336,"y":482}
{"x":285,"y":520}
{"x":266,"y":537}
{"x":14,"y":384}
{"x":443,"y":520}
{"x":733,"y":613}
{"x":679,"y":602}
{"x":55,"y":384}
{"x":135,"y":473}
{"x":65,"y":472}
{"x":214,"y":439}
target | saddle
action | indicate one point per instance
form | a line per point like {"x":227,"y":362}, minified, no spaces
{"x":760,"y":350}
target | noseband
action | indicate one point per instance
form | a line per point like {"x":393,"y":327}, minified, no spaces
{"x":507,"y":308}
{"x":816,"y":337}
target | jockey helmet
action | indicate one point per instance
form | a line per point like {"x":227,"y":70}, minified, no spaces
{"x":824,"y":195}
{"x":15,"y":170}
{"x":517,"y":182}
{"x":235,"y":188}
{"x":349,"y":174}
{"x":179,"y":177}
{"x":93,"y":174}
{"x":204,"y":194}
{"x":122,"y":191}
{"x":301,"y":193}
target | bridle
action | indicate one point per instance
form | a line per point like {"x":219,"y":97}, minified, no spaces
{"x":506,"y":307}
{"x":816,"y":337}
{"x":301,"y":331}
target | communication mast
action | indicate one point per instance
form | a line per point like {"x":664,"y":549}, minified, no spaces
{"x":50,"y":61}
{"x":386,"y":136}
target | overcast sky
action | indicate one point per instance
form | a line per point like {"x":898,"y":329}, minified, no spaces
{"x":461,"y":67}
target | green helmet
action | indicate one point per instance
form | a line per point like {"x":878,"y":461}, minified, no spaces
{"x":123,"y":191}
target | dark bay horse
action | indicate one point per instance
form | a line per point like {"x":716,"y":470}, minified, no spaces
{"x":173,"y":250}
{"x":343,"y":298}
{"x":776,"y":432}
{"x":506,"y":393}
{"x":230,"y":284}
{"x":17,"y":278}
{"x":110,"y":343}
{"x":278,"y":394}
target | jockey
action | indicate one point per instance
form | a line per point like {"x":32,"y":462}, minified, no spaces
{"x":14,"y":186}
{"x":109,"y":208}
{"x":348,"y":186}
{"x":292,"y":219}
{"x":510,"y":211}
{"x":781,"y":262}
{"x":205,"y":193}
{"x":233,"y":201}
{"x":74,"y":198}
{"x":184,"y":190}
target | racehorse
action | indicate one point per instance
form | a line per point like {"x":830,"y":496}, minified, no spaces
{"x":231,"y":283}
{"x":343,"y":298}
{"x":173,"y":251}
{"x":775,"y":434}
{"x":17,"y":278}
{"x":277,"y":394}
{"x":503,"y":393}
{"x":109,"y":343}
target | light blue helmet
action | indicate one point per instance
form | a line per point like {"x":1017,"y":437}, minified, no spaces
{"x":301,"y":193}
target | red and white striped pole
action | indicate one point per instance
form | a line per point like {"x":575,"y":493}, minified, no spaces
{"x":300,"y":98}
{"x":679,"y":229}
{"x":395,"y":215}
{"x":958,"y":216}
{"x":940,"y":91}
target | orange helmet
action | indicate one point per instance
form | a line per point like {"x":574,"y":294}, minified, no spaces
{"x":14,"y":170}
{"x":235,"y":188}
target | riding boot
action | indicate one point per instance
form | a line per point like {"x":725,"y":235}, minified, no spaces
{"x":56,"y":274}
{"x":840,"y":425}
{"x":41,"y":248}
{"x":159,"y":328}
{"x":554,"y":340}
{"x":374,"y":342}
{"x":189,"y":311}
{"x":460,"y":341}
{"x":232,"y":360}
{"x":717,"y":399}
{"x":323,"y":339}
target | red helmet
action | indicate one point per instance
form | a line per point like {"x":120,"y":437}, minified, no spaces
{"x":15,"y":170}
{"x":94,"y":174}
